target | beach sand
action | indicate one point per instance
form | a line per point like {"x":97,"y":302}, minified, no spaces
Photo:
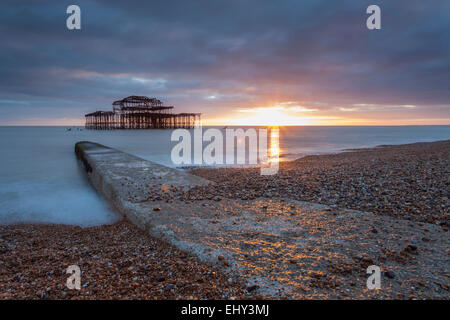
{"x":120,"y":261}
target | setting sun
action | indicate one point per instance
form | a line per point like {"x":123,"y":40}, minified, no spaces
{"x":271,"y":116}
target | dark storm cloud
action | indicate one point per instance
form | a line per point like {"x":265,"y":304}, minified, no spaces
{"x":239,"y":52}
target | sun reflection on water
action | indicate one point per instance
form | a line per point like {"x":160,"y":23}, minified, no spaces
{"x":274,"y":149}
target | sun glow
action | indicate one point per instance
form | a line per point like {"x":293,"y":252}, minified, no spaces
{"x":271,"y":116}
{"x":292,"y":113}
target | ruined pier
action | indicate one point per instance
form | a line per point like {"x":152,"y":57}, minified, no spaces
{"x":139,"y":112}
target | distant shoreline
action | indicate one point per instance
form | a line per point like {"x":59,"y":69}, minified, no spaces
{"x":393,"y":145}
{"x":249,"y":126}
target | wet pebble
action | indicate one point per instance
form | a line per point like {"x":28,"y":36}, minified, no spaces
{"x":170,"y":287}
{"x":251,"y":288}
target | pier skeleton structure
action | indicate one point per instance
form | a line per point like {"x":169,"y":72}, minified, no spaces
{"x":140,"y":112}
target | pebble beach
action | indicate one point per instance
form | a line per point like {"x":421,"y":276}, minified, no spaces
{"x":117,"y":261}
{"x":408,"y":182}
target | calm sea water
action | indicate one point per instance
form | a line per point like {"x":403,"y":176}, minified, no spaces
{"x":40,"y":180}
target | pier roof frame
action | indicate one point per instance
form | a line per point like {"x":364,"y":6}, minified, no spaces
{"x":139,"y":101}
{"x":100,"y":113}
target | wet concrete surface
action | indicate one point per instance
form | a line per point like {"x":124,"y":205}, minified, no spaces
{"x":303,"y":250}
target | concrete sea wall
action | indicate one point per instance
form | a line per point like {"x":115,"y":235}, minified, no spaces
{"x":121,"y":178}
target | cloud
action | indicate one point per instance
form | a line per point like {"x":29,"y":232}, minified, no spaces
{"x":378,"y":107}
{"x":215,"y":56}
{"x":349,"y":109}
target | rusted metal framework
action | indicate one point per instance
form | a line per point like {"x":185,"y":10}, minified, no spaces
{"x":139,"y":112}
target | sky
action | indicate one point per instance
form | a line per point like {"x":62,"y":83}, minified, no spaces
{"x":238,"y":62}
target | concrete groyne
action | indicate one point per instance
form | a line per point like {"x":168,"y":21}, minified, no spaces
{"x":121,"y":177}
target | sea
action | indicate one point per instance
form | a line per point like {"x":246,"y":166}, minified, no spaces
{"x":41,"y":181}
